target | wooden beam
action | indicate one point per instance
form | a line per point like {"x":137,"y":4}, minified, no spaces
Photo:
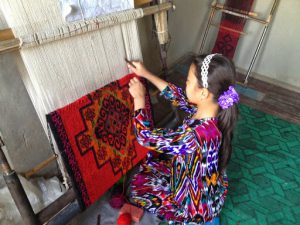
{"x":254,"y":14}
{"x":39,"y":167}
{"x":238,"y":14}
{"x":9,"y":45}
{"x":91,"y":25}
{"x":141,"y":2}
{"x":6,"y":34}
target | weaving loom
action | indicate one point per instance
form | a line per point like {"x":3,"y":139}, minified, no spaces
{"x":60,"y":72}
{"x":227,"y":40}
{"x":235,"y":14}
{"x":96,"y":138}
{"x":62,"y":69}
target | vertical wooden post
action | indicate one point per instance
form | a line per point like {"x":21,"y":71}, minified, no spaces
{"x":16,"y":190}
{"x":160,"y":20}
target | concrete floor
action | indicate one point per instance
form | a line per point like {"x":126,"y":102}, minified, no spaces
{"x":108,"y":215}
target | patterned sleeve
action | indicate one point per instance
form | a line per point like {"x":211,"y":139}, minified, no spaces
{"x":179,"y":141}
{"x":178,"y":98}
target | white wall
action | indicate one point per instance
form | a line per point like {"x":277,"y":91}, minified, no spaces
{"x":278,"y":58}
{"x":279,"y":55}
{"x":186,"y":26}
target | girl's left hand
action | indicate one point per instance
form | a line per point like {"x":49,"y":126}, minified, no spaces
{"x":136,"y":89}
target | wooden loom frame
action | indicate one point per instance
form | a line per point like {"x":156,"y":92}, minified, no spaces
{"x":247,"y":15}
{"x":9,"y":43}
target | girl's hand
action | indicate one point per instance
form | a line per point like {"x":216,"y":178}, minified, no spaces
{"x":140,"y":69}
{"x":137,"y":91}
{"x":136,"y":88}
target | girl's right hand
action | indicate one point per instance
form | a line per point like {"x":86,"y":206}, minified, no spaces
{"x":140,"y":69}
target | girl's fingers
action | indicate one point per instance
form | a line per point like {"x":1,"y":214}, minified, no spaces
{"x":134,"y":80}
{"x":131,"y":82}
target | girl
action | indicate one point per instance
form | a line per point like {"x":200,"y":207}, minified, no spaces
{"x":191,"y":187}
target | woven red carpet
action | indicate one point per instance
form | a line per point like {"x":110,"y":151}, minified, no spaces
{"x":96,"y":138}
{"x":227,"y":41}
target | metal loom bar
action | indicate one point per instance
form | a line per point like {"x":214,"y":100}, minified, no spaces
{"x":211,"y":16}
{"x":275,"y":3}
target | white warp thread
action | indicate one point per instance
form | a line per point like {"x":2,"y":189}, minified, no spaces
{"x":81,"y":27}
{"x":60,"y":72}
{"x":63,"y":71}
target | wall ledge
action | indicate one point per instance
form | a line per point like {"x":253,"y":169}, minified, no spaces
{"x":269,"y":80}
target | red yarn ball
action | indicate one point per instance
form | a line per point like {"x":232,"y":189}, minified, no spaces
{"x":124,"y":219}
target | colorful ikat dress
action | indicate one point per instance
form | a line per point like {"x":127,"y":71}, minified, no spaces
{"x":186,"y":189}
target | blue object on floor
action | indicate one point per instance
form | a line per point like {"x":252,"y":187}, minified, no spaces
{"x":215,"y":221}
{"x":249,"y":92}
{"x":182,"y":68}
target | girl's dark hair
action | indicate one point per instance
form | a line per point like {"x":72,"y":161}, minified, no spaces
{"x":221,"y":74}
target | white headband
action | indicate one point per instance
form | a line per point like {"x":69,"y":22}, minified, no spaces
{"x":204,"y":69}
